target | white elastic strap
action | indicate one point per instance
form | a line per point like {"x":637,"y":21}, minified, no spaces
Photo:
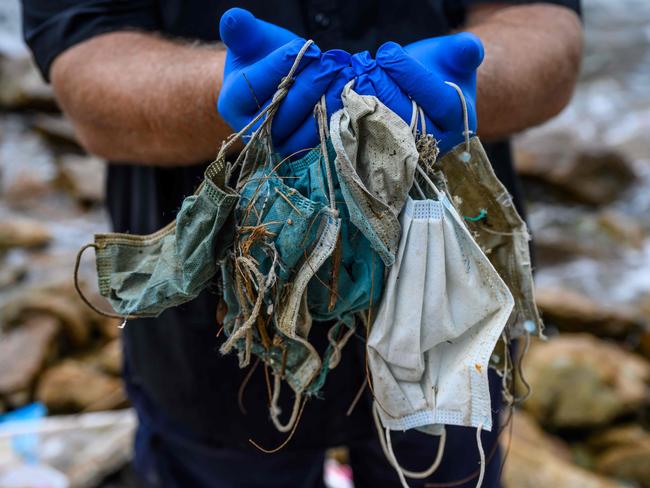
{"x":419,"y":189}
{"x":413,"y":125}
{"x":424,"y":175}
{"x":423,"y":120}
{"x":276,"y":411}
{"x":466,"y":132}
{"x":387,"y":447}
{"x":481,"y":454}
{"x":393,"y":460}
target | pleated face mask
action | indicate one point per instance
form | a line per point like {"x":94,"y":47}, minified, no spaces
{"x":144,"y":275}
{"x":443,"y":310}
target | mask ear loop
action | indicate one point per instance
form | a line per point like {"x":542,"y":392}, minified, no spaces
{"x":464,"y":156}
{"x":84,"y":298}
{"x":413,"y":125}
{"x":387,"y":447}
{"x":275,"y":409}
{"x":481,"y":454}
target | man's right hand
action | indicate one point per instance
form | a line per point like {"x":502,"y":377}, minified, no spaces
{"x":259,"y":55}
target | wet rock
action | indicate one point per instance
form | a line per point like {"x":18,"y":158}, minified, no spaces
{"x":21,"y":86}
{"x":23,"y":233}
{"x":27,"y":164}
{"x":57,"y":129}
{"x":555,"y":162}
{"x":562,"y":233}
{"x":624,"y":453}
{"x":71,"y":314}
{"x":622,"y":229}
{"x":109,"y":358}
{"x":83,"y":177}
{"x":571,"y":311}
{"x":537,"y":460}
{"x":24,"y":350}
{"x":579,"y":381}
{"x":11,"y":273}
{"x":551,"y":249}
{"x":72,"y":386}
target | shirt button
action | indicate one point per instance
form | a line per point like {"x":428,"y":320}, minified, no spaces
{"x":322,"y":20}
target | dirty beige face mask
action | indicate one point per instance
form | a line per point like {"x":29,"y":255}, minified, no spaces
{"x":375,"y":163}
{"x":141,"y":276}
{"x":489,"y":212}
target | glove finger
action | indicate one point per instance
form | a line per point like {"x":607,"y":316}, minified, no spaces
{"x":244,"y":92}
{"x":309,"y":86}
{"x":248,"y":38}
{"x":306,"y":135}
{"x":361,"y":63}
{"x":373,"y":80}
{"x":439,"y":100}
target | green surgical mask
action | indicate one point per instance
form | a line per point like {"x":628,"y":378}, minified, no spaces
{"x":142,"y":275}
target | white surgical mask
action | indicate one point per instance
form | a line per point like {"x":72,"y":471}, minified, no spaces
{"x":443,"y":309}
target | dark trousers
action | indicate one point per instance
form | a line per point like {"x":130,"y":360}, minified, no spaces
{"x":165,"y":457}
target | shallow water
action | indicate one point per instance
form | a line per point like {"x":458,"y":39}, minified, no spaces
{"x":611,"y":108}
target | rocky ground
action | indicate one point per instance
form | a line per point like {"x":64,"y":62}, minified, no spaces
{"x":587,"y":178}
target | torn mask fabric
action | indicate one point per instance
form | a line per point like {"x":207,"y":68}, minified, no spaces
{"x":357,"y":282}
{"x":144,"y":275}
{"x":375,"y":163}
{"x":489,"y":213}
{"x":443,"y":309}
{"x":288,"y":229}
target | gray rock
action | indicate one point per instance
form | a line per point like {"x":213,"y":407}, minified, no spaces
{"x":24,"y":351}
{"x":572,"y":311}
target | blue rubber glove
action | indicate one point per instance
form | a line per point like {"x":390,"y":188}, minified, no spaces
{"x":373,"y":80}
{"x":259,"y":55}
{"x":421,"y":70}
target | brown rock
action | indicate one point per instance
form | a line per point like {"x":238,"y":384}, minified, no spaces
{"x":592,"y":176}
{"x":580,"y":381}
{"x":109,"y":327}
{"x":537,"y":460}
{"x":57,"y":129}
{"x":622,"y":229}
{"x":23,"y":233}
{"x":21,"y":86}
{"x":72,"y":386}
{"x":572,"y":311}
{"x":83,"y":177}
{"x":109,"y":358}
{"x":624,"y":453}
{"x":555,"y":249}
{"x":11,"y":273}
{"x":24,"y":350}
{"x":72,"y":314}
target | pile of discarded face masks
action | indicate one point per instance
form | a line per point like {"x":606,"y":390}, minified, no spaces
{"x":370,"y":230}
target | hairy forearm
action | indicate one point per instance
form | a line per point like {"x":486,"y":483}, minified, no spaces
{"x":532,"y":58}
{"x":139,"y":98}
